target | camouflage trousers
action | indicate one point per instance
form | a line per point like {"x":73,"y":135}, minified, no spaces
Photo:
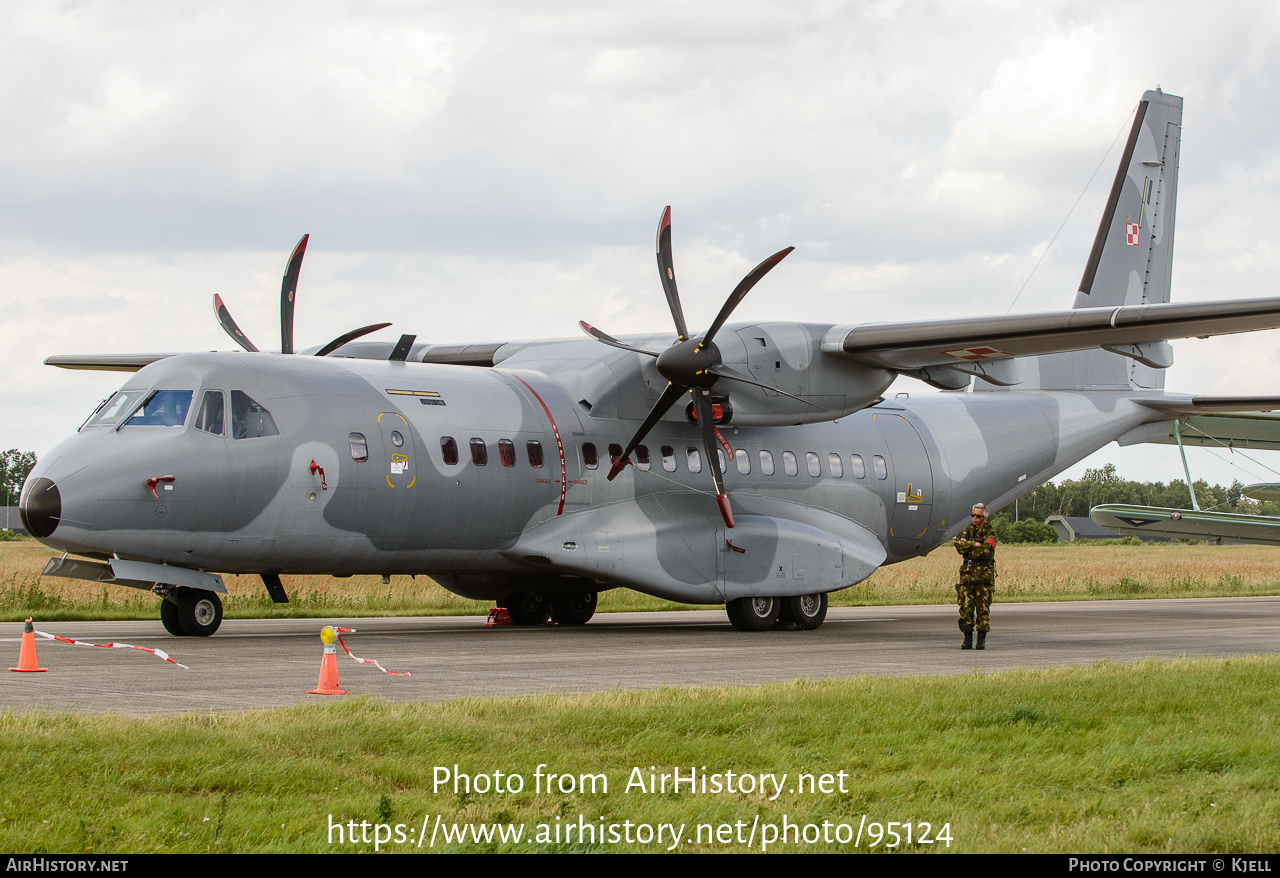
{"x":975,"y":605}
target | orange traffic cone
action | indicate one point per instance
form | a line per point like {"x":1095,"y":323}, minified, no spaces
{"x":328,"y":682}
{"x":498,"y":616}
{"x":27,"y":653}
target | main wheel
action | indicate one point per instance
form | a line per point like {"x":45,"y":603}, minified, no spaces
{"x":199,"y":611}
{"x":753,"y":614}
{"x":527,"y":607}
{"x":806,"y":610}
{"x":574,"y":608}
{"x":169,"y":618}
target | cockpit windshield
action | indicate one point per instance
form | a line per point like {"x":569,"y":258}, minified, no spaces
{"x":119,"y":405}
{"x":163,"y":408}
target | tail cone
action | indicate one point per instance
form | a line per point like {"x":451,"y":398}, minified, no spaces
{"x":27,"y":653}
{"x":328,"y":682}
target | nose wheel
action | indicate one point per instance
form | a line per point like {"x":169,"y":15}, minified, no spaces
{"x":191,"y":612}
{"x":763,"y":614}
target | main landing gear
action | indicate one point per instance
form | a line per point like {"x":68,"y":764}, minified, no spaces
{"x":763,"y":613}
{"x":534,"y":607}
{"x":191,"y":612}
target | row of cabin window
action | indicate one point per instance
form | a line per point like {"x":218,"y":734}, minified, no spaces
{"x":693,"y":458}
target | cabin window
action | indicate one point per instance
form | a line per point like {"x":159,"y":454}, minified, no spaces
{"x":813,"y":463}
{"x":766,"y":462}
{"x":506,"y":452}
{"x":836,"y":465}
{"x":163,"y":408}
{"x":857,"y":467}
{"x":789,"y":463}
{"x":668,"y":458}
{"x":360,"y":447}
{"x":534,"y":447}
{"x":590,"y":458}
{"x":615,"y":452}
{"x":209,"y":419}
{"x":642,"y":458}
{"x":249,"y":420}
{"x":882,"y":471}
{"x":479,"y":452}
{"x":724,"y":464}
{"x":743,"y":460}
{"x":449,"y":449}
{"x":694,"y":459}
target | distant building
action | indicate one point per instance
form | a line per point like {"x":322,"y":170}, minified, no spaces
{"x":1071,"y":528}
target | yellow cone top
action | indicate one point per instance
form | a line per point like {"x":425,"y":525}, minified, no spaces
{"x":327,"y":635}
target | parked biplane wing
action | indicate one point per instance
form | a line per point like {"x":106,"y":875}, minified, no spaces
{"x":1187,"y":524}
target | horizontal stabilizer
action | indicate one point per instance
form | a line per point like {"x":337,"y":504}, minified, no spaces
{"x":105,"y":362}
{"x":1186,"y":524}
{"x":920,"y":344}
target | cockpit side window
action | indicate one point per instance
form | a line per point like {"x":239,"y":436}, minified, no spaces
{"x":116,"y":407}
{"x":249,"y":420}
{"x":209,"y":418}
{"x":163,"y":408}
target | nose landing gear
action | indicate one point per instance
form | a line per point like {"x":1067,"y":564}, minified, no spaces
{"x":191,"y":612}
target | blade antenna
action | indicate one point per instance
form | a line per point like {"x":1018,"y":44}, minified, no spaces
{"x":288,"y":294}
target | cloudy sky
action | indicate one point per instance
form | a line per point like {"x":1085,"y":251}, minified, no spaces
{"x":495,"y":170}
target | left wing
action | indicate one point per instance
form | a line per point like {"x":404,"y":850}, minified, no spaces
{"x":1132,"y":330}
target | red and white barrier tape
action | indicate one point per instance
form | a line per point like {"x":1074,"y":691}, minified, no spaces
{"x":364,"y":661}
{"x":156,"y":652}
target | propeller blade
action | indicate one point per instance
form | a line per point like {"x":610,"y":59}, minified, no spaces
{"x":735,"y":298}
{"x":667,"y":271}
{"x":350,"y":336}
{"x":224,"y":317}
{"x":722,"y":371}
{"x":707,"y":427}
{"x":665,"y":402}
{"x":608,"y":339}
{"x":288,"y":292}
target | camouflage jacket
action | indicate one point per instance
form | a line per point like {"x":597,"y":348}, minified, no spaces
{"x":977,"y":545}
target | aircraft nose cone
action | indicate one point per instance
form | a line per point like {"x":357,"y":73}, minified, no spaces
{"x":41,"y":508}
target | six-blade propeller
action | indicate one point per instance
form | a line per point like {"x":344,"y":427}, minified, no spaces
{"x":691,"y":365}
{"x":288,"y":297}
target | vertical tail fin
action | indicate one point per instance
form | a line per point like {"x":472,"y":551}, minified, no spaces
{"x":1132,"y":253}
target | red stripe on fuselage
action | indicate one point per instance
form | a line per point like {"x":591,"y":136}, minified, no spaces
{"x":564,"y":484}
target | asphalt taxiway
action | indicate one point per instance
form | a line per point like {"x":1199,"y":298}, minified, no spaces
{"x":269,"y":663}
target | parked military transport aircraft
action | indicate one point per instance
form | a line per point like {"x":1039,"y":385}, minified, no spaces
{"x":537,"y":473}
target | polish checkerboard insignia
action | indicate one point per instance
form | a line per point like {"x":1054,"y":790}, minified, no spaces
{"x":1131,"y":234}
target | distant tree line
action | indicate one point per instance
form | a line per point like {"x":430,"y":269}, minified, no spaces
{"x":15,"y":465}
{"x":1075,"y":497}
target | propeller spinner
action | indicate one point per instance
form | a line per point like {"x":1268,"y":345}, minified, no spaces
{"x":288,"y":297}
{"x":691,"y":365}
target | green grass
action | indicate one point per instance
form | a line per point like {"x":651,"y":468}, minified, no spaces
{"x":1159,"y":756}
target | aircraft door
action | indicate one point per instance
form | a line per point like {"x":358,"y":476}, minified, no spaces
{"x":912,"y":478}
{"x":399,"y":475}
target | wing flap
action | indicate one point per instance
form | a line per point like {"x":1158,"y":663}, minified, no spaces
{"x":920,"y":344}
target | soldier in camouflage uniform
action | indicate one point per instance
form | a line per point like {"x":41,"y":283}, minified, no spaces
{"x":977,"y":544}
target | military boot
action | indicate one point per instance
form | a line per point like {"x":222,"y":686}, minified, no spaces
{"x":982,"y":640}
{"x":968,"y":640}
